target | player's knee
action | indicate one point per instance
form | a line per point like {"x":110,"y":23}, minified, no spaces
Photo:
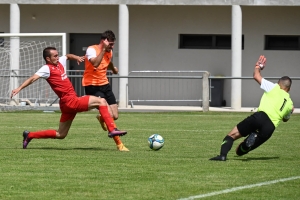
{"x":102,"y":101}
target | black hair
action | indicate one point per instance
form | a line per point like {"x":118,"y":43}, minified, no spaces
{"x":46,"y":52}
{"x":109,"y":35}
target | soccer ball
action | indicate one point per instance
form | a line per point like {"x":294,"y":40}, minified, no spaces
{"x":156,"y":142}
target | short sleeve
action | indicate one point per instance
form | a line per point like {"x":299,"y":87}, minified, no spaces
{"x":267,"y":85}
{"x":43,"y":72}
{"x":91,"y":53}
{"x":63,"y":61}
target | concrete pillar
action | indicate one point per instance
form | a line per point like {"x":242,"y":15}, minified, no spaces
{"x":205,"y":92}
{"x":14,"y":48}
{"x":123,"y":54}
{"x":236,"y":57}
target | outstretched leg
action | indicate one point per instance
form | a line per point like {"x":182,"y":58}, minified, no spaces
{"x":117,"y":139}
{"x":227,"y":143}
{"x":44,"y":134}
{"x":253,"y":141}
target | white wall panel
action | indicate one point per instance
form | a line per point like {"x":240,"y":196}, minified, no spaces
{"x":154,"y":30}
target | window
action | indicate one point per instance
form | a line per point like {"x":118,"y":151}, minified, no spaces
{"x":282,"y":42}
{"x":204,"y":41}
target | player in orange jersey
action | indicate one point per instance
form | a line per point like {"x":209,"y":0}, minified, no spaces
{"x":98,"y":60}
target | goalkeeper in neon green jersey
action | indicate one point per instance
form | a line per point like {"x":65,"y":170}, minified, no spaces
{"x":275,"y":106}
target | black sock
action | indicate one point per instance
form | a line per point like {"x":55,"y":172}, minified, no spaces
{"x":226,"y":145}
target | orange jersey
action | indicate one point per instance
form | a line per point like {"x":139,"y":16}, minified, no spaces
{"x":96,"y":76}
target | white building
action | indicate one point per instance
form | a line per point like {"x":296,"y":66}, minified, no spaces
{"x":156,"y":35}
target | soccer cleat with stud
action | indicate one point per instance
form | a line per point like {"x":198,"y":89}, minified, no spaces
{"x":26,"y":140}
{"x":121,"y":147}
{"x":102,"y":123}
{"x":219,"y":158}
{"x":116,"y":132}
{"x":250,"y":140}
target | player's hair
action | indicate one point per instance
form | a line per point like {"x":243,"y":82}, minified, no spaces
{"x":285,"y":81}
{"x":109,"y":35}
{"x":46,"y":52}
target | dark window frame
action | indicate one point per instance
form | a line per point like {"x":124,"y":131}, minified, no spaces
{"x":282,"y":42}
{"x":206,"y":41}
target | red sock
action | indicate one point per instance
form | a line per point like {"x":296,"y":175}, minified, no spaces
{"x":43,"y":134}
{"x":113,"y":120}
{"x":103,"y":110}
{"x":116,"y":138}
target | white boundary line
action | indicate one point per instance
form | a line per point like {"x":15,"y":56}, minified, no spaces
{"x":239,"y":188}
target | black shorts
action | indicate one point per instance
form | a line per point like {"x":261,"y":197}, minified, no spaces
{"x":258,"y":122}
{"x":103,"y":91}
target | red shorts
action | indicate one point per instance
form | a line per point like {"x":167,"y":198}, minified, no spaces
{"x":71,"y":105}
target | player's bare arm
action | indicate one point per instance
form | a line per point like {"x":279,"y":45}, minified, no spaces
{"x":97,"y":60}
{"x":79,"y":59}
{"x":24,"y":84}
{"x":114,"y":69}
{"x":260,"y":65}
{"x":103,"y":48}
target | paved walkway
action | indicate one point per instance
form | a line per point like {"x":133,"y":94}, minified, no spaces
{"x":139,"y":108}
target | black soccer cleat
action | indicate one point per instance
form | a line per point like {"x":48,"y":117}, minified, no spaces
{"x":26,"y":139}
{"x":250,"y":140}
{"x":219,"y":158}
{"x":240,"y":150}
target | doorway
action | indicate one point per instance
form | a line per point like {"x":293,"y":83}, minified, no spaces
{"x":79,"y":42}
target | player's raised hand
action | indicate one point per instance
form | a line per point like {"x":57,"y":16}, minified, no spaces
{"x":14,"y":92}
{"x":261,"y":63}
{"x":80,"y":59}
{"x":105,"y":43}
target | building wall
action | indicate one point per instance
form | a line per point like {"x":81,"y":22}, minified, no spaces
{"x":269,"y":21}
{"x":4,"y":18}
{"x":154,"y":30}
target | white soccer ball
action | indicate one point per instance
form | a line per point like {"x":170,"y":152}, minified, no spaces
{"x":156,"y":142}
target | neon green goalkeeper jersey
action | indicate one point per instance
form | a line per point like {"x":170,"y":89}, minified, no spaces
{"x":276,"y":103}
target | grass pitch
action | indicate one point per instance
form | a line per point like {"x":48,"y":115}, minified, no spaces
{"x":86,"y":164}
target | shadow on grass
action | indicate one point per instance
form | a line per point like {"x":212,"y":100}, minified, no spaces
{"x":255,"y":158}
{"x":68,"y":149}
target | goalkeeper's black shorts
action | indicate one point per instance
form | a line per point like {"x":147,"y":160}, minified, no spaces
{"x":258,"y":122}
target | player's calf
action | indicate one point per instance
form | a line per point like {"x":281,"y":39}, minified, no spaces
{"x":102,"y":123}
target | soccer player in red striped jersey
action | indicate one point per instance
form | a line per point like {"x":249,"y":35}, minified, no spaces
{"x":54,"y":72}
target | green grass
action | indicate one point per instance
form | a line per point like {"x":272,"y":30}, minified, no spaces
{"x":86,"y":164}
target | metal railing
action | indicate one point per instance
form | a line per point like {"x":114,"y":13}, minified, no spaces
{"x":144,"y":87}
{"x":172,"y":87}
{"x":164,"y":87}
